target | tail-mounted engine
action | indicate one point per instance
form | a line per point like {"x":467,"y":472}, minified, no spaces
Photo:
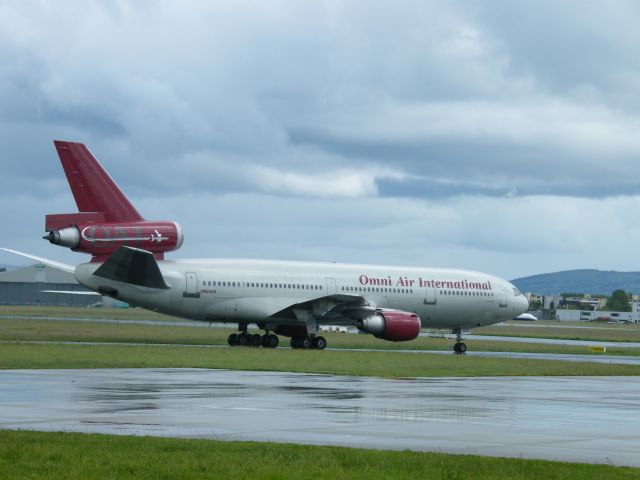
{"x":101,"y":239}
{"x":393,"y":325}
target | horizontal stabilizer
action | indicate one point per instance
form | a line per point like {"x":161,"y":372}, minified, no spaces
{"x":134,"y":266}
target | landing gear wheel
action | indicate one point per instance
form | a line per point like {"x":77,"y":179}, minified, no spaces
{"x":300,"y":342}
{"x":272,"y":341}
{"x":233,"y":339}
{"x":319,"y":343}
{"x":243,"y":339}
{"x":256,"y":340}
{"x":460,"y":347}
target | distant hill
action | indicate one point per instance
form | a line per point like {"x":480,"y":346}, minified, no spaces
{"x":580,"y":281}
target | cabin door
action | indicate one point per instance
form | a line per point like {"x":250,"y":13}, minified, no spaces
{"x":191,"y":287}
{"x":430,"y":296}
{"x":331,"y":286}
{"x":502,"y":299}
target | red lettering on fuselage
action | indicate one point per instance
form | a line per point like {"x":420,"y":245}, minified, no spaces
{"x":383,"y":282}
{"x":404,"y":281}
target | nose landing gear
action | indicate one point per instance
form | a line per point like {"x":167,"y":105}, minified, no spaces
{"x":459,"y":347}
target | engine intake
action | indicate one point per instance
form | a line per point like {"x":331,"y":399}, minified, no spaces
{"x":393,"y":325}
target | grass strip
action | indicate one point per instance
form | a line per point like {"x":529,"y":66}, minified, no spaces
{"x":378,"y":364}
{"x":587,"y":331}
{"x":73,"y":331}
{"x":48,"y":455}
{"x":83,"y":312}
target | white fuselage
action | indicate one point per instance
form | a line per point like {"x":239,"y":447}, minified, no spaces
{"x":259,"y":291}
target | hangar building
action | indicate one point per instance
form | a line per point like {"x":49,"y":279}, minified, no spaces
{"x":25,"y":286}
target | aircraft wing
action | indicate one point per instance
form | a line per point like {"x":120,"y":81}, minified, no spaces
{"x":72,"y":292}
{"x":46,"y":261}
{"x":336,"y":309}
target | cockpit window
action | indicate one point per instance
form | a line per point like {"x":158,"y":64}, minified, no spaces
{"x":516,"y":292}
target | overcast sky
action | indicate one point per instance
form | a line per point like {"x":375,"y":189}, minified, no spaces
{"x":477,"y":135}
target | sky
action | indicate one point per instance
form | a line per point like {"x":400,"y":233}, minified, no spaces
{"x":488,"y":135}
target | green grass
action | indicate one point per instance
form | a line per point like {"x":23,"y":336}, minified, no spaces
{"x":82,"y":312}
{"x":80,"y":456}
{"x":382,"y":364}
{"x":589,"y":331}
{"x":17,"y":355}
{"x":47,"y":330}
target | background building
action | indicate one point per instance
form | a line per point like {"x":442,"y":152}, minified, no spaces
{"x":591,"y":315}
{"x":25,"y":286}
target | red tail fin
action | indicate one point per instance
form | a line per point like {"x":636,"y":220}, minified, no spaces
{"x":106,"y":219}
{"x":92,"y":187}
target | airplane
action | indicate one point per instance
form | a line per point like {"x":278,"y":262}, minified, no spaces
{"x":288,"y":298}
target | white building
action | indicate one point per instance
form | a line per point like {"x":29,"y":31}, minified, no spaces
{"x":590,"y":315}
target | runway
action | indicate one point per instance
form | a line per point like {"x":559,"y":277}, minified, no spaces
{"x":592,"y":419}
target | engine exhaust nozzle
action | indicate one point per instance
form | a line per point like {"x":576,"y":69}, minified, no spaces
{"x":67,"y":237}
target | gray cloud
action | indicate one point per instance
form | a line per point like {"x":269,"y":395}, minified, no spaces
{"x":363,"y":131}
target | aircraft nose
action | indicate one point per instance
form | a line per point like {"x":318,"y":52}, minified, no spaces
{"x":524,"y":303}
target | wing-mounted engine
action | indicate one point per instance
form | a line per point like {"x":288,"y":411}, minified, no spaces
{"x":393,"y":325}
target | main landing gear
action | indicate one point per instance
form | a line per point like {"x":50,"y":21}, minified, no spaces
{"x":244,"y":339}
{"x":318,"y":343}
{"x":459,"y":347}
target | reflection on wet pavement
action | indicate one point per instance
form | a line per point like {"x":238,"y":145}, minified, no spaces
{"x":567,"y":418}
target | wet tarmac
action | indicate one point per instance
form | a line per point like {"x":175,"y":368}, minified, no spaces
{"x":585,"y":419}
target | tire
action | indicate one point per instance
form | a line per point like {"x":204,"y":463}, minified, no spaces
{"x":462,"y":347}
{"x":305,"y":342}
{"x":256,"y":340}
{"x":273,"y":341}
{"x":243,"y":339}
{"x":233,"y":339}
{"x":320,"y":343}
